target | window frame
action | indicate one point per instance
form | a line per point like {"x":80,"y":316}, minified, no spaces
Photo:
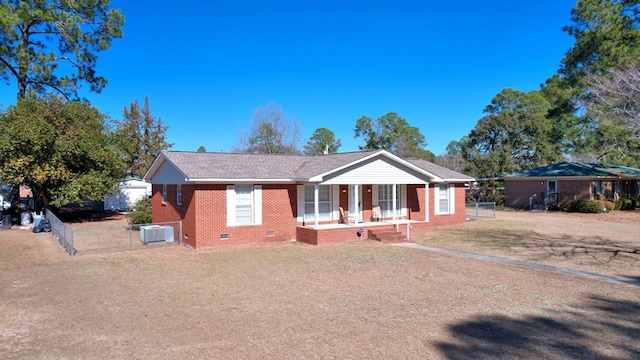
{"x":253,"y":201}
{"x":447,"y":189}
{"x":164,"y":193}
{"x":387,"y":189}
{"x":310,"y":201}
{"x":179,"y":194}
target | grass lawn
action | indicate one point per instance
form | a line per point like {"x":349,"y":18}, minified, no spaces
{"x":297,"y":301}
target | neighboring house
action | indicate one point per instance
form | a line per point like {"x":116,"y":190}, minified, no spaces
{"x":235,"y":198}
{"x":557,"y":185}
{"x":129,"y":191}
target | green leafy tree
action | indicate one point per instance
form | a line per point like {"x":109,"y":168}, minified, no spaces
{"x":607,"y":34}
{"x":62,"y":150}
{"x":53,"y":44}
{"x":141,"y":212}
{"x":201,"y":149}
{"x":322,"y":141}
{"x":452,"y":157}
{"x":270,"y":132}
{"x":394,"y":134}
{"x":140,"y":137}
{"x":514,"y":135}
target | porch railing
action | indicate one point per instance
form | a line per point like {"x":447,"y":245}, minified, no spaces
{"x":397,"y":224}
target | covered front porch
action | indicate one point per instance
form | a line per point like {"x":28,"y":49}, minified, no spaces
{"x":372,"y":230}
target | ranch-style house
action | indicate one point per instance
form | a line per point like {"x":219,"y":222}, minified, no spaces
{"x":236,"y":198}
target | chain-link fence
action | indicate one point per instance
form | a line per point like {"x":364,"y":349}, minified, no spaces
{"x":117,"y":237}
{"x":479,"y":210}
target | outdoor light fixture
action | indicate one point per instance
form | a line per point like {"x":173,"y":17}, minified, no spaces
{"x":368,"y":188}
{"x":344,"y":189}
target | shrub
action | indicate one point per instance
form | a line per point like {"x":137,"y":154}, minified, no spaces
{"x":617,"y":204}
{"x":141,"y":212}
{"x":609,"y":205}
{"x":586,"y":206}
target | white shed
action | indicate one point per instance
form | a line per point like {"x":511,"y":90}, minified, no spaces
{"x":129,"y":191}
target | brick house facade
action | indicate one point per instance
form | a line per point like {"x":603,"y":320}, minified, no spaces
{"x":226,"y":199}
{"x":557,"y":185}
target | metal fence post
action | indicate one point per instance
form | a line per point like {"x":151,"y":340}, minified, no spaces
{"x":130,"y":238}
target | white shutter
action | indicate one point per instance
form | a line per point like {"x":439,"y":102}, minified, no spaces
{"x":436,"y":199}
{"x":300,"y":191}
{"x":231,"y":205}
{"x":257,"y":203}
{"x":403,"y":200}
{"x":335,"y":202}
{"x":452,"y":199}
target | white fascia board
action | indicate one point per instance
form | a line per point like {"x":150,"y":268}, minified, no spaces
{"x":457,"y":180}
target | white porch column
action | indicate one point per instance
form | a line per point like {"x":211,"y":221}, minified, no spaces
{"x":426,"y":200}
{"x":393,"y":207}
{"x":316,"y":206}
{"x":355,"y":203}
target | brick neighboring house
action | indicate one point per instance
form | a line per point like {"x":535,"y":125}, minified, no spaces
{"x":557,"y":185}
{"x":234,"y":198}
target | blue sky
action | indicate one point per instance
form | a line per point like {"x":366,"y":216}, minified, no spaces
{"x":207,"y":65}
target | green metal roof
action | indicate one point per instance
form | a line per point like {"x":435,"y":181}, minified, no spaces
{"x":574,"y":169}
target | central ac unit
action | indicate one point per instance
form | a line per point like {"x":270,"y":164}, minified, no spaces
{"x":152,"y":234}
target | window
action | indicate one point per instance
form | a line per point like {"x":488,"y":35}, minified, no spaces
{"x":597,"y":188}
{"x":385,"y":199}
{"x":244,"y":205}
{"x":179,"y":194}
{"x":324,"y":202}
{"x":164,"y":193}
{"x":444,"y":199}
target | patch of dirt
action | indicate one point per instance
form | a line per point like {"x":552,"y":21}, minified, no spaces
{"x":348,"y":301}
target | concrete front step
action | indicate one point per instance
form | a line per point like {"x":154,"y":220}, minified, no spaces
{"x":389,"y":237}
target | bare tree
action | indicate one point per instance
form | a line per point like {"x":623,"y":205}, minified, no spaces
{"x":614,"y":97}
{"x":270,"y":132}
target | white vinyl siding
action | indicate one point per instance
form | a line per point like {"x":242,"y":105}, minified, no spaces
{"x":444,"y":199}
{"x":244,"y":205}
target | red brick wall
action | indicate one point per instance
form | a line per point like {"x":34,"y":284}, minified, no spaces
{"x":416,"y":202}
{"x":279,"y":212}
{"x":448,"y":219}
{"x":518,"y":193}
{"x":171,"y":211}
{"x":204,"y":215}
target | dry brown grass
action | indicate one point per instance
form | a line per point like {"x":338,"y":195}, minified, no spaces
{"x":294,"y":301}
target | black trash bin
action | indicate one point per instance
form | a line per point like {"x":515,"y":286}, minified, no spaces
{"x":6,"y":221}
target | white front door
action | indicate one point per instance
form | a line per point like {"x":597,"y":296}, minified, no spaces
{"x":355,"y":202}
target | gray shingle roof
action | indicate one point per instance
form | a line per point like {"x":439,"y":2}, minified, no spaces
{"x":573,"y":169}
{"x":212,"y":165}
{"x":440,"y":171}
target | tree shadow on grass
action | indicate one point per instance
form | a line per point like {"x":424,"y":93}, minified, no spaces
{"x":534,"y":246}
{"x":599,"y":328}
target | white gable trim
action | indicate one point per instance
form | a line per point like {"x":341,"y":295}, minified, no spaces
{"x":379,"y":170}
{"x":400,"y":163}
